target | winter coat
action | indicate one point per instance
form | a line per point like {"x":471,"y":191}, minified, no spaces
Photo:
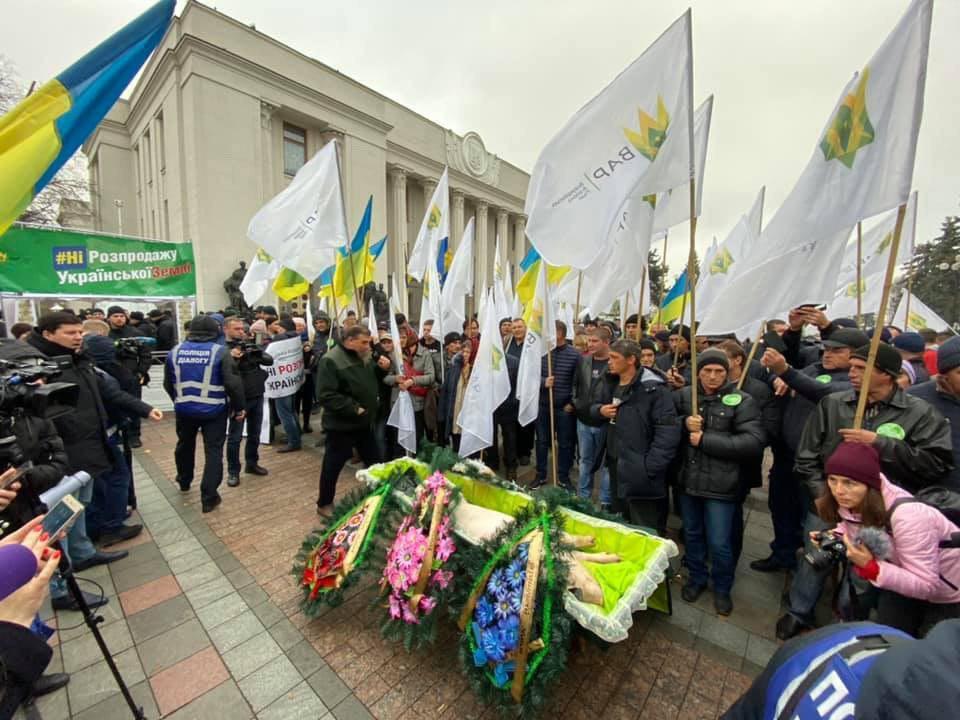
{"x":84,"y":431}
{"x":752,"y":470}
{"x":232,"y":383}
{"x":589,"y":390}
{"x":923,"y":457}
{"x":422,"y":362}
{"x":565,"y":360}
{"x":448,"y":395}
{"x":346,"y":382}
{"x":511,"y":406}
{"x":645,"y":435}
{"x":252,"y":374}
{"x":138,"y":362}
{"x":732,"y":435}
{"x":40,"y":443}
{"x":809,"y":387}
{"x":23,"y":658}
{"x":166,"y":334}
{"x":948,"y":404}
{"x":917,"y":567}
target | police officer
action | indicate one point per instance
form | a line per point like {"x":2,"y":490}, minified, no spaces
{"x":136,"y":360}
{"x":250,"y":366}
{"x":203,"y":383}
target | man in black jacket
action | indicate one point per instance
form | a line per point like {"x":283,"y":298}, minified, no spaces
{"x":589,"y":387}
{"x":563,"y":362}
{"x":525,"y":433}
{"x":253,"y":376}
{"x":722,"y":432}
{"x":166,"y":329}
{"x":642,"y":436}
{"x":136,"y":358}
{"x":943,"y":392}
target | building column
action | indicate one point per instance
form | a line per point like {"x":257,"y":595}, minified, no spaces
{"x":429,"y":186}
{"x":519,"y":242}
{"x":503,"y":232}
{"x":398,"y":241}
{"x":456,"y":220}
{"x":481,"y":275}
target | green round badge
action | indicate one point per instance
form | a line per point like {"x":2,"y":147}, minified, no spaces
{"x":732,"y":400}
{"x":891,"y":430}
{"x":824,"y":379}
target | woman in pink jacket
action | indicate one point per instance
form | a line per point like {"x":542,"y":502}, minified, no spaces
{"x":918,"y":581}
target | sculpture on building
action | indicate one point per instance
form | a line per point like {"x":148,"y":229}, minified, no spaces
{"x":381,"y":307}
{"x":232,"y":287}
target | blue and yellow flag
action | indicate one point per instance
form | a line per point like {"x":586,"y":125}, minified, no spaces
{"x":674,"y":302}
{"x":44,"y":130}
{"x":338,"y":279}
{"x":529,"y":267}
{"x":444,"y":259}
{"x":290,"y":284}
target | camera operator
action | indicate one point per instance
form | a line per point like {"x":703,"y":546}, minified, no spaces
{"x":250,"y":361}
{"x":137,"y":359}
{"x":113,"y":489}
{"x":59,"y":336}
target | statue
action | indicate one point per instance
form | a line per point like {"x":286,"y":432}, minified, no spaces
{"x":232,"y":287}
{"x":381,"y":307}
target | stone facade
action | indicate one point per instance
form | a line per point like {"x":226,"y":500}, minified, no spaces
{"x":223,"y":114}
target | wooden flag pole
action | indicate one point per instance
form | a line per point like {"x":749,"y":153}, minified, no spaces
{"x":683,"y":312}
{"x":643,"y":291}
{"x":881,"y":314}
{"x":692,"y":286}
{"x":576,"y":314}
{"x":663,"y":278}
{"x":753,"y":352}
{"x":859,"y":274}
{"x":553,"y":422}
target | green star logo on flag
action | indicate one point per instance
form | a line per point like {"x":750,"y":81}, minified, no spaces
{"x":851,"y":128}
{"x":652,"y":133}
{"x":852,"y":289}
{"x":263,"y":256}
{"x":535,"y":317}
{"x":497,"y":357}
{"x":885,"y":243}
{"x":916,"y":321}
{"x":721,"y":263}
{"x":434,"y":220}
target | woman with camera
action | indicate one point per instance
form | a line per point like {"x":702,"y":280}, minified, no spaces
{"x":893,"y":541}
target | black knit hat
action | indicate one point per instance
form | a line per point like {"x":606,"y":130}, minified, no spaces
{"x":888,"y":359}
{"x":713,"y":357}
{"x":114,"y":310}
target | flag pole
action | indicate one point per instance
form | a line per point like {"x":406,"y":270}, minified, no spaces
{"x":692,"y":285}
{"x":553,"y":429}
{"x":753,"y":352}
{"x":881,"y":314}
{"x":859,"y":274}
{"x":643,"y":291}
{"x":663,"y":278}
{"x":576,"y":315}
{"x":343,"y":206}
{"x":683,"y":312}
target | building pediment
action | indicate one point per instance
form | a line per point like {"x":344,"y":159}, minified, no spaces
{"x":469,"y":155}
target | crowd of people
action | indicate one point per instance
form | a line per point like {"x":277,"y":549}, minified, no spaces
{"x":615,"y":403}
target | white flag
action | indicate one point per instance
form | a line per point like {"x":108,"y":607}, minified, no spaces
{"x":434,"y":228}
{"x":488,"y":387}
{"x":459,"y":284}
{"x":673,"y":206}
{"x":402,"y":415}
{"x":303,"y":225}
{"x":755,"y":216}
{"x":501,"y":303}
{"x":541,"y":337}
{"x":921,"y":316}
{"x":263,"y":269}
{"x":635,"y":137}
{"x":430,"y":301}
{"x":372,"y":321}
{"x":862,"y":165}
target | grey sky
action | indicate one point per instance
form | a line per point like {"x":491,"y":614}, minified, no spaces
{"x":514,"y":71}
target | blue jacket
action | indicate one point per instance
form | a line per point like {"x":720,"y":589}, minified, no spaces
{"x":949,"y":406}
{"x":224,"y":376}
{"x":565,"y":360}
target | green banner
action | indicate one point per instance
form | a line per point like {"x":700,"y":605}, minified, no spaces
{"x":63,"y":262}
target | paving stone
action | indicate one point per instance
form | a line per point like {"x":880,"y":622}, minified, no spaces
{"x":135,"y":575}
{"x":227,"y":562}
{"x":187,"y":680}
{"x":328,"y":686}
{"x":228,"y":635}
{"x":685,"y":616}
{"x":55,"y":706}
{"x":222,"y":610}
{"x":169,"y":648}
{"x":724,"y":634}
{"x":169,"y":538}
{"x":286,"y":634}
{"x":203,"y":595}
{"x":760,"y":650}
{"x":95,"y":683}
{"x":253,"y":594}
{"x":139,"y":555}
{"x":216,"y":548}
{"x":179,"y":547}
{"x":240,"y":578}
{"x":251,"y":655}
{"x":269,"y":682}
{"x":160,"y":618}
{"x":189,"y":560}
{"x":149,"y":594}
{"x":300,"y":703}
{"x":305,"y":658}
{"x":198,"y":575}
{"x":223,"y":701}
{"x":721,"y":655}
{"x":351,"y":709}
{"x":115,"y":707}
{"x":70,"y":623}
{"x":84,"y":651}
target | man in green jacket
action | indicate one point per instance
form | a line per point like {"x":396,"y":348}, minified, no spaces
{"x":347,"y":389}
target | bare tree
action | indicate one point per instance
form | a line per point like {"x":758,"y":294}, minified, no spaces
{"x":71,"y":182}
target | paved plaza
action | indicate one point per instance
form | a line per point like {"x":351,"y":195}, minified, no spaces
{"x":203,"y":621}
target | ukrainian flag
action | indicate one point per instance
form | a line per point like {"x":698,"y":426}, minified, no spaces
{"x":290,"y":284}
{"x":444,"y":258}
{"x":44,"y":130}
{"x":338,"y":279}
{"x":674,"y":302}
{"x":529,"y":268}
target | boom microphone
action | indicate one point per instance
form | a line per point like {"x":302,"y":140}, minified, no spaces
{"x":69,"y":484}
{"x":877,"y":541}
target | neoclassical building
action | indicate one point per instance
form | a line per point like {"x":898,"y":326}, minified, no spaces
{"x":223,"y":116}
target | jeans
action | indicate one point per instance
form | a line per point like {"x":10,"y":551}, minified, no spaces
{"x":566,"y":426}
{"x":214,"y":431}
{"x":288,"y":418}
{"x":108,"y":509}
{"x":709,"y":523}
{"x":304,"y":399}
{"x":592,"y":440}
{"x":338,"y":448}
{"x":251,"y":454}
{"x":787,"y":508}
{"x":808,"y":583}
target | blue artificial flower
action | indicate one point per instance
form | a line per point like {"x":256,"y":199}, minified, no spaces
{"x":479,"y":656}
{"x":523,"y":551}
{"x":516,"y":574}
{"x":491,"y":646}
{"x":509,"y":634}
{"x":484,"y":612}
{"x":502,"y":673}
{"x":498,"y":582}
{"x":506,"y":605}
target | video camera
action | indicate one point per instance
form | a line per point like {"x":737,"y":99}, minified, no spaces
{"x":131,"y":345}
{"x":249,"y":348}
{"x":20,"y":389}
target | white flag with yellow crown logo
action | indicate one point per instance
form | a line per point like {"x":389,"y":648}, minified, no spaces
{"x":920,"y":317}
{"x":433,"y":230}
{"x":540,"y":339}
{"x":260,"y":273}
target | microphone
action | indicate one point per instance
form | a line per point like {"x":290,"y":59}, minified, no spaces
{"x":877,"y":541}
{"x":69,"y":484}
{"x":18,"y":565}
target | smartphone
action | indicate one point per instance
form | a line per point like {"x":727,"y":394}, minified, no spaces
{"x":774,"y":341}
{"x":17,"y":475}
{"x":61,"y":517}
{"x":820,"y":307}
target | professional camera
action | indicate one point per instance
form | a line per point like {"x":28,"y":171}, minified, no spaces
{"x":832,"y":550}
{"x":20,"y":389}
{"x":250,"y":349}
{"x":130,"y":346}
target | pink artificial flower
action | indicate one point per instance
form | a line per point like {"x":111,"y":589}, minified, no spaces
{"x":409,"y":617}
{"x":441,"y":578}
{"x":427,"y":604}
{"x":445,"y":548}
{"x":395,"y":606}
{"x":436,"y":481}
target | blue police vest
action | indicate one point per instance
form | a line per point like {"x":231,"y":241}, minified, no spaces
{"x":198,"y":379}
